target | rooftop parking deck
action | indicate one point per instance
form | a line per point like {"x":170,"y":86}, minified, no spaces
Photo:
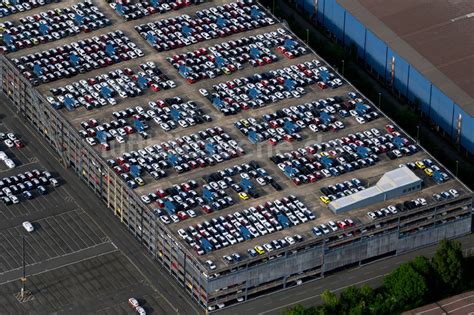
{"x":308,"y":193}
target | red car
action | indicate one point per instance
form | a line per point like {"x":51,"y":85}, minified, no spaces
{"x":206,"y":209}
{"x":129,"y":130}
{"x":182,"y":215}
{"x":18,"y":144}
{"x":341,"y":224}
{"x":161,"y":193}
{"x":322,"y":85}
{"x":273,"y":141}
{"x":390,"y":128}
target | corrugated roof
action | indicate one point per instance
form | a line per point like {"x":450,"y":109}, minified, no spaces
{"x":434,"y":36}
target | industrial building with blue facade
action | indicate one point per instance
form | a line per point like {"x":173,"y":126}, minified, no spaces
{"x":419,"y":48}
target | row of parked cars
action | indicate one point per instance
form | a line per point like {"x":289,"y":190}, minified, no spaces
{"x":331,"y":226}
{"x":215,"y":22}
{"x":411,"y":204}
{"x":339,"y":156}
{"x":181,"y":201}
{"x":273,"y":245}
{"x":242,"y":179}
{"x":197,"y":150}
{"x":51,"y":25}
{"x":286,"y":124}
{"x":77,"y":57}
{"x":16,"y":188}
{"x":106,"y":88}
{"x":8,"y":7}
{"x":333,"y":158}
{"x":7,"y":160}
{"x":133,"y":10}
{"x":239,"y":226}
{"x":339,"y":190}
{"x":11,"y":140}
{"x":173,"y":112}
{"x":229,"y":56}
{"x":116,"y":130}
{"x":429,"y":168}
{"x":259,"y":90}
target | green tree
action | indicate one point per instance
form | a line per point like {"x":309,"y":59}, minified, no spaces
{"x":380,"y":305}
{"x":330,"y":300}
{"x":405,"y":287}
{"x":423,"y":266}
{"x":447,"y":263}
{"x":355,"y":300}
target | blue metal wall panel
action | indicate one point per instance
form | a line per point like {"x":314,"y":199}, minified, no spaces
{"x":467,"y":128}
{"x":419,"y":90}
{"x":329,"y":16}
{"x":375,"y":53}
{"x":408,"y":80}
{"x":355,"y":34}
{"x":401,"y":75}
{"x":320,"y":16}
{"x":338,"y":18}
{"x":309,"y":6}
{"x":441,"y":109}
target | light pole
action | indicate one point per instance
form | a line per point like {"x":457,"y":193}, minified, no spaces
{"x":273,"y":7}
{"x":343,"y":64}
{"x":380,"y":99}
{"x":307,"y":36}
{"x":457,"y":168}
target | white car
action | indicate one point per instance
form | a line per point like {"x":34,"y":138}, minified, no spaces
{"x":3,"y":156}
{"x":454,"y":193}
{"x":120,"y":139}
{"x":133,"y":303}
{"x":203,"y":92}
{"x":145,"y":199}
{"x":91,"y":141}
{"x":210,"y":265}
{"x":9,"y":143}
{"x":140,"y":310}
{"x":360,"y":120}
{"x":14,"y":199}
{"x":11,"y":136}
{"x":28,"y":226}
{"x":9,"y":163}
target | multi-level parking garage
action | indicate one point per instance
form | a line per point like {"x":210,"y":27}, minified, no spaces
{"x":227,"y":180}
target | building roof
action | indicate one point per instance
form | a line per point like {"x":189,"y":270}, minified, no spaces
{"x":458,"y":304}
{"x":399,"y":177}
{"x":431,"y":35}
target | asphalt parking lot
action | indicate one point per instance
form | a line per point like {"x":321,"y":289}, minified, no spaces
{"x":101,"y":284}
{"x":72,"y":265}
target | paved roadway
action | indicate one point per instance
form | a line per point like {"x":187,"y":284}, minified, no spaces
{"x":172,"y":297}
{"x":308,"y":294}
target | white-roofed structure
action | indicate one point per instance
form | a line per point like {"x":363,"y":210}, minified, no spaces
{"x":392,"y":184}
